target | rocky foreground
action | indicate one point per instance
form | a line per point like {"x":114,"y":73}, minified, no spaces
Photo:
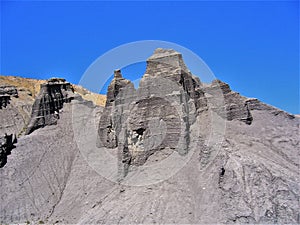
{"x":173,"y":151}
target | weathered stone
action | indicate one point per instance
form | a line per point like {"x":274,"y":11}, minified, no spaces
{"x":110,"y":124}
{"x":45,"y":111}
{"x":234,"y":106}
{"x":6,"y":145}
{"x":115,"y":86}
{"x":6,"y":92}
{"x":157,"y":115}
{"x":249,"y":175}
{"x":169,"y":64}
{"x":16,"y":114}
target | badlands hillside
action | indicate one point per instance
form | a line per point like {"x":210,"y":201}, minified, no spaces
{"x":173,"y":151}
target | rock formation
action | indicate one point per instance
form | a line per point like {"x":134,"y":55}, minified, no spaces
{"x":6,"y":141}
{"x":19,"y":94}
{"x":6,"y":92}
{"x":238,"y":157}
{"x":169,"y":93}
{"x":166,"y":102}
{"x":235,"y":106}
{"x":49,"y":102}
{"x":6,"y":145}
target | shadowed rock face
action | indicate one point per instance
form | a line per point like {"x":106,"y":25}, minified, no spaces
{"x":16,"y":114}
{"x":6,"y":145}
{"x":6,"y":141}
{"x":49,"y":102}
{"x":6,"y":92}
{"x":234,"y":107}
{"x":249,"y":175}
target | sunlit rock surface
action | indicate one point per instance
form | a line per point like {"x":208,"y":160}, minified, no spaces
{"x":241,"y":157}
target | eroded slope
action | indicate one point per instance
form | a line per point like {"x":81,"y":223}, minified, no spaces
{"x":240,"y":158}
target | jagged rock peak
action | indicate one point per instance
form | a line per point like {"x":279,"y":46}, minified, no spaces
{"x":161,"y":52}
{"x":115,"y":86}
{"x":166,"y":58}
{"x":168,"y":64}
{"x":218,"y":84}
{"x":117,"y":74}
{"x":167,"y":92}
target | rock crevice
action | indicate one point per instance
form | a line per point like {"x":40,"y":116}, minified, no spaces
{"x":6,"y":145}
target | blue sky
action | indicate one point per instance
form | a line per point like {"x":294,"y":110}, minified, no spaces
{"x":252,"y":45}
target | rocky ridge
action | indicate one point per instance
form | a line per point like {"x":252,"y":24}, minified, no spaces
{"x":28,"y":104}
{"x":6,"y":145}
{"x":181,"y":97}
{"x":242,"y":156}
{"x":18,"y":96}
{"x":49,"y":102}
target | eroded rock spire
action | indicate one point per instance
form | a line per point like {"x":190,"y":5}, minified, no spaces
{"x":45,"y":110}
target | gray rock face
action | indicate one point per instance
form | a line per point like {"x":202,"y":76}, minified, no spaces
{"x":6,"y":145}
{"x":49,"y":102}
{"x":14,"y":112}
{"x":169,"y":98}
{"x":168,"y":64}
{"x":165,"y":104}
{"x":235,"y":106}
{"x":115,"y":86}
{"x":233,"y":171}
{"x":6,"y":92}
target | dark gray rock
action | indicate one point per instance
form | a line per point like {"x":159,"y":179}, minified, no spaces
{"x":6,"y":145}
{"x":115,"y":86}
{"x":45,"y":111}
{"x":110,"y":124}
{"x":235,"y":106}
{"x":6,"y":92}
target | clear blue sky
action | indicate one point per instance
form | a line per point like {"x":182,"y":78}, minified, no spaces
{"x":253,"y":46}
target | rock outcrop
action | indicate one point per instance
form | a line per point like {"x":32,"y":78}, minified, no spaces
{"x":28,"y":89}
{"x":169,"y":64}
{"x":109,"y":126}
{"x":49,"y":102}
{"x":6,"y":145}
{"x":6,"y":141}
{"x":6,"y":92}
{"x":186,"y":153}
{"x":17,"y":96}
{"x":164,"y":105}
{"x":235,"y":106}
